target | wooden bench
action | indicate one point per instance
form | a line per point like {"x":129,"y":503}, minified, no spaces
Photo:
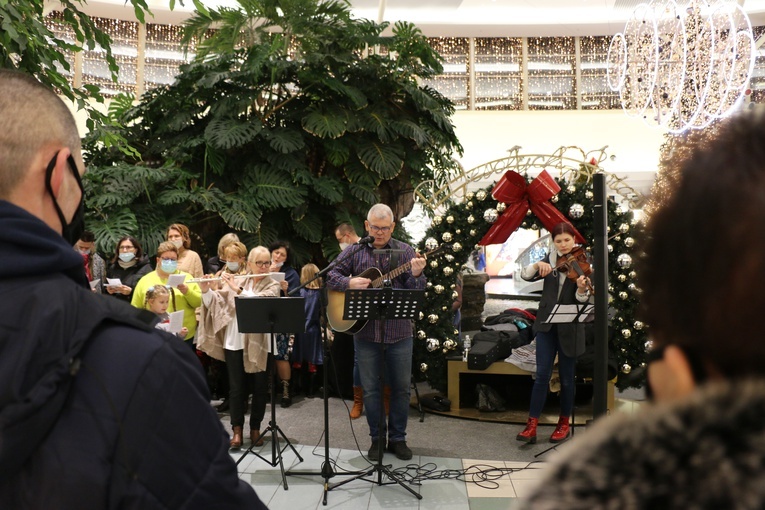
{"x":455,"y":368}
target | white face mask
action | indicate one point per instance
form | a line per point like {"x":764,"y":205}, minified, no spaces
{"x":177,"y":244}
{"x":344,"y":246}
{"x":277,"y":264}
{"x":233,"y":266}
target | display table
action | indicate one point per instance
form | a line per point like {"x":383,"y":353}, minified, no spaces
{"x":455,"y":368}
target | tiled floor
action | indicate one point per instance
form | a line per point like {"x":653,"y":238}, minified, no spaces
{"x":443,"y":483}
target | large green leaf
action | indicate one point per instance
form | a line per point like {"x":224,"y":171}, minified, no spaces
{"x":309,"y":228}
{"x":285,"y":140}
{"x":229,"y":133}
{"x":241,"y":215}
{"x":110,"y":228}
{"x":385,"y":160}
{"x":272,"y":190}
{"x":325,"y":123}
{"x":328,"y":188}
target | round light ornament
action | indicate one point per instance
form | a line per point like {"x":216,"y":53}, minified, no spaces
{"x":471,"y":219}
{"x":423,"y":367}
{"x":432,"y":344}
{"x":588,"y":195}
{"x":421,"y":335}
{"x":638,"y":325}
{"x":432,"y":318}
{"x":624,"y":228}
{"x":480,"y":195}
{"x":626,"y":369}
{"x":576,"y":211}
{"x":626,"y":333}
{"x":431,"y":243}
{"x":490,"y":215}
{"x":623,"y":295}
{"x":448,"y":271}
{"x":437,"y":220}
{"x":501,"y":207}
{"x":456,"y":247}
{"x":439,"y":289}
{"x":629,"y":242}
{"x":624,"y":260}
{"x":450,"y":219}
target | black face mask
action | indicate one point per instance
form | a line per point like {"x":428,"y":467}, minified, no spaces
{"x":71,"y":231}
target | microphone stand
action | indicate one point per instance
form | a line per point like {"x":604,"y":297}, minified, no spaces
{"x":327,"y":472}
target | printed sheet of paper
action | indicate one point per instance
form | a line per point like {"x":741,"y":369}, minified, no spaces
{"x":94,"y":284}
{"x":175,"y":279}
{"x":279,"y":277}
{"x":113,"y":282}
{"x":176,"y":322}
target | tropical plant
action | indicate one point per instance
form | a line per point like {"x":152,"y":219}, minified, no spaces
{"x":292,"y":117}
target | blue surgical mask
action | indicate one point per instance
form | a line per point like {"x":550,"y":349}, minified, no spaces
{"x":127,"y":256}
{"x":169,"y":266}
{"x":232,"y":266}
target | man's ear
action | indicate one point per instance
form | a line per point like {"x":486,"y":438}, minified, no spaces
{"x":60,"y":169}
{"x":680,"y":369}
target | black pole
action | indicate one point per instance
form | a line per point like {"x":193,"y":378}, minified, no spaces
{"x":600,"y":379}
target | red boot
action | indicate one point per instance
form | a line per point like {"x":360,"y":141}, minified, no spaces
{"x":562,"y":430}
{"x":529,"y":434}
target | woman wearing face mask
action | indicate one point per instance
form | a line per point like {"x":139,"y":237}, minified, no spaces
{"x":188,"y":296}
{"x":129,"y":265}
{"x":188,"y":260}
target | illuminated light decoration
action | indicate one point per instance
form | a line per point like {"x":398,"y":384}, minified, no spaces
{"x":682,"y":69}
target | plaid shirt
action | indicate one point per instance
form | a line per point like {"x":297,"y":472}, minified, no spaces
{"x":349,"y":265}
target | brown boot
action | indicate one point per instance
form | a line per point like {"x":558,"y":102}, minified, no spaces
{"x":386,"y":399}
{"x":236,"y":439}
{"x":358,"y":402}
{"x":529,"y":434}
{"x":255,"y":437}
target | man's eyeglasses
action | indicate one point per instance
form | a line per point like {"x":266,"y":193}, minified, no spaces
{"x":262,"y":263}
{"x":379,"y":230}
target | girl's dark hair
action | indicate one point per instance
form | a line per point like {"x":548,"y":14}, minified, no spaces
{"x":563,"y":228}
{"x":134,"y":242}
{"x":281,"y":244}
{"x":704,"y":250}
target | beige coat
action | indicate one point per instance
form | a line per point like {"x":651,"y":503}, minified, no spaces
{"x":215,"y":318}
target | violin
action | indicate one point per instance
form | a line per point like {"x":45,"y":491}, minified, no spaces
{"x":576,"y":264}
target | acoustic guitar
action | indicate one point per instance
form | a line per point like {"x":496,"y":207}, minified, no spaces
{"x":336,"y":298}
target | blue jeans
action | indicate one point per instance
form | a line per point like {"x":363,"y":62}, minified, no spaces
{"x":398,"y":375}
{"x":547,"y":346}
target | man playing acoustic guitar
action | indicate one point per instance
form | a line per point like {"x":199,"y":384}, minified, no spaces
{"x":395,"y":333}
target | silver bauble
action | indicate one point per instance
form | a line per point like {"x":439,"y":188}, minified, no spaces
{"x":648,"y":345}
{"x":448,"y":271}
{"x":450,"y":344}
{"x":629,"y":242}
{"x":439,"y":289}
{"x":453,"y":286}
{"x":588,"y":195}
{"x":449,"y":257}
{"x":473,"y":232}
{"x":469,"y":205}
{"x":437,"y":220}
{"x":622,"y":277}
{"x":446,"y":237}
{"x":444,"y":308}
{"x":456,"y":247}
{"x":471,"y":219}
{"x":633,"y":274}
{"x":480,"y":195}
{"x":610,"y":248}
{"x":420,"y":316}
{"x":458,"y":231}
{"x":610,"y":288}
{"x":432,"y":344}
{"x":432,"y":318}
{"x":638,"y":325}
{"x":626,"y":369}
{"x":624,"y":228}
{"x":571,"y":189}
{"x":434,"y":264}
{"x":624,"y":260}
{"x":423,"y":367}
{"x":421,"y":335}
{"x":501,"y":207}
{"x":456,"y":331}
{"x":469,"y":195}
{"x":626,"y":333}
{"x":455,"y":294}
{"x":576,"y":211}
{"x":554,"y":199}
{"x":633,"y":288}
{"x":623,"y":295}
{"x":490,"y":215}
{"x":429,"y":284}
{"x":431,"y":243}
{"x":617,"y":238}
{"x":450,"y":219}
{"x":528,"y":212}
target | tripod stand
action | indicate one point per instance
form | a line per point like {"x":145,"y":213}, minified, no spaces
{"x":271,"y":315}
{"x":327,"y":472}
{"x":568,"y":314}
{"x":381,"y":304}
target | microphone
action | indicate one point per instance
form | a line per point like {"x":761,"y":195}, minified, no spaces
{"x":365,"y":240}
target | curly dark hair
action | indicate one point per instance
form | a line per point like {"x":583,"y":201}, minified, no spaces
{"x":703,"y":252}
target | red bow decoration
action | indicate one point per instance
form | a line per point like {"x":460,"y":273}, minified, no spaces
{"x":519,"y":198}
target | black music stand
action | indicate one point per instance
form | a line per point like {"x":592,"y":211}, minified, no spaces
{"x":564,"y":314}
{"x":381,"y":304}
{"x":271,"y":315}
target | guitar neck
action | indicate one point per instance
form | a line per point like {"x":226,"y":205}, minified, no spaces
{"x":392,"y":274}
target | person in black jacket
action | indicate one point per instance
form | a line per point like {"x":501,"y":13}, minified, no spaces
{"x":128,"y":265}
{"x":98,"y":409}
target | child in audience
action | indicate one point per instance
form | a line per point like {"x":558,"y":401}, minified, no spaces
{"x":158,"y":300}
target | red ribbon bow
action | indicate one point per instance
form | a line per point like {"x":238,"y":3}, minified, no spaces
{"x":519,"y":198}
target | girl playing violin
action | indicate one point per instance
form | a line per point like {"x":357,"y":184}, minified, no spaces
{"x":567,"y":340}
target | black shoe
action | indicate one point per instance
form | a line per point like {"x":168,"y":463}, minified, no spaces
{"x":222,"y":407}
{"x":286,"y":402}
{"x":400,"y":449}
{"x":373,"y":451}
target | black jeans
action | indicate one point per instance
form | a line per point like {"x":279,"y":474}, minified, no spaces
{"x":241,"y":384}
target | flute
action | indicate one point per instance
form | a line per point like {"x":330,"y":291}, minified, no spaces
{"x":218,"y":278}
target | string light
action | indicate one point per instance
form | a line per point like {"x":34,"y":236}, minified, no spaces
{"x":498,"y":83}
{"x":682,"y":68}
{"x":164,"y":54}
{"x":453,"y":83}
